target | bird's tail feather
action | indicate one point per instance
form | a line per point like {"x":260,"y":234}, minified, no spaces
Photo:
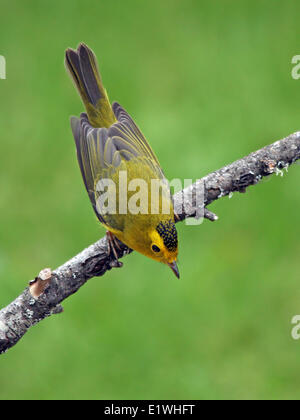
{"x":82,"y":66}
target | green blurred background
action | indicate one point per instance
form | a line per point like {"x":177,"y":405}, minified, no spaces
{"x":208,"y":82}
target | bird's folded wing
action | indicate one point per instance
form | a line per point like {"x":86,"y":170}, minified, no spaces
{"x":100,"y":151}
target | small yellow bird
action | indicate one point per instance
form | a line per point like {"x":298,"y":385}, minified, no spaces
{"x":110,"y":144}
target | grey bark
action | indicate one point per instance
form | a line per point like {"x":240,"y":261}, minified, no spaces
{"x":43,"y":296}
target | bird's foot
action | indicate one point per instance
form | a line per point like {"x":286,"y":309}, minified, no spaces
{"x":176,"y":217}
{"x":112,"y":245}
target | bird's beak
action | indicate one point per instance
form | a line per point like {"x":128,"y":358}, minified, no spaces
{"x":174,"y":268}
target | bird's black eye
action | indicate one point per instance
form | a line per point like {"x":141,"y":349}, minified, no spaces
{"x":155,"y":248}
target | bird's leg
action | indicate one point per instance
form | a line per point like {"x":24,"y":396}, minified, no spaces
{"x":176,"y":217}
{"x":112,"y":244}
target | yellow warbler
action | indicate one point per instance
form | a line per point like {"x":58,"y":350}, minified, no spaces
{"x":119,"y":166}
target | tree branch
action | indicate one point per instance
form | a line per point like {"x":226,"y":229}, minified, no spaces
{"x":43,"y":296}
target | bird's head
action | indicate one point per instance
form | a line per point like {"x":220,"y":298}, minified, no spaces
{"x":164,"y":244}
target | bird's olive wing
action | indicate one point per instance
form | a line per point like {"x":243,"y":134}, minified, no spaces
{"x":100,"y":152}
{"x":90,"y":152}
{"x":129,"y":132}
